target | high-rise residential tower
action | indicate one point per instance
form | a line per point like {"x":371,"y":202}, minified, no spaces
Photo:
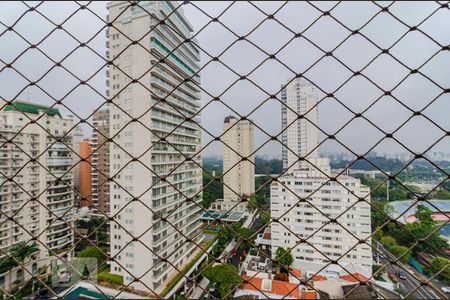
{"x":39,"y":197}
{"x":299,"y":135}
{"x":100,"y":161}
{"x":239,"y":178}
{"x":305,"y":199}
{"x":153,"y":160}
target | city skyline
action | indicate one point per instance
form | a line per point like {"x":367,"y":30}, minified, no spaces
{"x":168,"y":149}
{"x":245,"y":96}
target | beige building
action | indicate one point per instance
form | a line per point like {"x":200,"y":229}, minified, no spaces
{"x":40,"y":196}
{"x":141,"y":115}
{"x":239,"y":178}
{"x":100,"y":161}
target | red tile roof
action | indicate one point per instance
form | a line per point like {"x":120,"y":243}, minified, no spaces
{"x":356,"y":277}
{"x":296,"y":273}
{"x":278,"y":287}
{"x":319,"y":278}
{"x":267,"y":235}
{"x":309,"y":295}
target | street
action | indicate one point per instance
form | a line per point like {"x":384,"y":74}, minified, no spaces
{"x":412,"y":277}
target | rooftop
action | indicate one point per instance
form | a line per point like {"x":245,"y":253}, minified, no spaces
{"x":225,"y":216}
{"x":31,"y":108}
{"x":269,"y":286}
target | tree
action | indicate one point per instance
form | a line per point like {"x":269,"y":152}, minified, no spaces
{"x":284,"y":258}
{"x":18,"y":254}
{"x":438,"y":264}
{"x":424,"y":215}
{"x":22,"y":251}
{"x":251,"y":203}
{"x":96,"y":233}
{"x":377,"y":271}
{"x":232,"y":230}
{"x":265,"y":218}
{"x":388,"y":241}
{"x":443,"y":194}
{"x":432,"y":240}
{"x":246,"y":238}
{"x":213,"y":189}
{"x":85,"y":272}
{"x":224,"y":277}
{"x":380,"y":212}
{"x":400,"y":251}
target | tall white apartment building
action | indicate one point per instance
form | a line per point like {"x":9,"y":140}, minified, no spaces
{"x":239,"y":178}
{"x":306,"y":219}
{"x":299,"y":136}
{"x":305,"y":199}
{"x":35,"y":157}
{"x":164,"y":104}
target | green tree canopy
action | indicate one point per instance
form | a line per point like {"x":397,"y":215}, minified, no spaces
{"x":213,"y":189}
{"x":400,"y":251}
{"x":432,"y":240}
{"x":380,"y":211}
{"x":438,"y":264}
{"x":388,"y":241}
{"x":284,"y":258}
{"x":246,"y":237}
{"x":424,"y":215}
{"x":224,"y":277}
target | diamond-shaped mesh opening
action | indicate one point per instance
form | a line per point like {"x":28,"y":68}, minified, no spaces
{"x":217,"y":150}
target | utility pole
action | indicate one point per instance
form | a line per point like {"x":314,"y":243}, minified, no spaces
{"x":387,"y":187}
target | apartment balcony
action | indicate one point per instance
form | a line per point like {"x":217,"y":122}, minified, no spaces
{"x":59,"y":161}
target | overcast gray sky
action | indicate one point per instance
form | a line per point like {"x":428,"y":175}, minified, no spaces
{"x":413,"y":50}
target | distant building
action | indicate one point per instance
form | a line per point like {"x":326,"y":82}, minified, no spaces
{"x":77,"y":137}
{"x":327,"y":200}
{"x":238,"y":163}
{"x":100,"y":161}
{"x":85,"y":177}
{"x":363,"y":173}
{"x":305,"y":201}
{"x":299,"y":136}
{"x":39,"y":161}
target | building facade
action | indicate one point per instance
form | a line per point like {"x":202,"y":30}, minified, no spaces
{"x":153,"y":123}
{"x":239,"y":174}
{"x":77,"y":138}
{"x":299,"y":135}
{"x":85,"y":174}
{"x":309,"y":219}
{"x":40,"y":196}
{"x":100,"y":161}
{"x":305,"y":199}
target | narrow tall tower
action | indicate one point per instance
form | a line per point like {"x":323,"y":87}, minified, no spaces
{"x":239,"y":178}
{"x":299,"y":135}
{"x":100,"y":161}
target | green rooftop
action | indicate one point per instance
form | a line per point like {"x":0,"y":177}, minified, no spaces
{"x":31,"y":108}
